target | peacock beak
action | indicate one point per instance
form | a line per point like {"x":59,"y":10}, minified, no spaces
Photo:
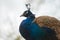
{"x":21,"y":15}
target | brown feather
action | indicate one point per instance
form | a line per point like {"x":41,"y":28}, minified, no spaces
{"x":49,"y":22}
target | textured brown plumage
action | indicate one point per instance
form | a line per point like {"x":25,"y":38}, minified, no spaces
{"x":49,"y":22}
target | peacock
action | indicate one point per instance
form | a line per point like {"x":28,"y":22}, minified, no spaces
{"x":31,"y":28}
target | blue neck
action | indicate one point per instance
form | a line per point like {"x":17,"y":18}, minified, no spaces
{"x":30,"y":18}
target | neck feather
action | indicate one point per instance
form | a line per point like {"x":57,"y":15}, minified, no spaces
{"x":31,"y":16}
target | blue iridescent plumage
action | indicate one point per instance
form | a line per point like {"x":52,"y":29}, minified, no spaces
{"x":32,"y":31}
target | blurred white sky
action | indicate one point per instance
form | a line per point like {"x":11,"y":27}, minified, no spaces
{"x":10,"y":11}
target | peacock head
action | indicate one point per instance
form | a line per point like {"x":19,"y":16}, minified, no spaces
{"x":28,"y":13}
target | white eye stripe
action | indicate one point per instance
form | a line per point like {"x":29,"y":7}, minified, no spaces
{"x":27,"y":12}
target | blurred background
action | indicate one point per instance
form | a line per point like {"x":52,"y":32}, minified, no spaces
{"x":10,"y":11}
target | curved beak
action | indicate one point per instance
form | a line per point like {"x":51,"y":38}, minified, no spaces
{"x":21,"y":15}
